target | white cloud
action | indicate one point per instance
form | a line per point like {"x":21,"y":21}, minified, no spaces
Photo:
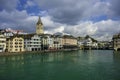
{"x":8,"y":5}
{"x":18,"y":20}
{"x":71,"y":12}
{"x":29,"y":4}
{"x":51,"y":26}
{"x":22,"y":20}
{"x":59,"y":29}
{"x":65,"y":16}
{"x":101,"y":30}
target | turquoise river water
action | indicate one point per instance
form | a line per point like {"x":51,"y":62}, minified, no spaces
{"x":68,"y":65}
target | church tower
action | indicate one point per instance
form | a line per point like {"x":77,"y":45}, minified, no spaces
{"x":39,"y":27}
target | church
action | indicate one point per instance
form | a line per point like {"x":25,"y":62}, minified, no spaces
{"x":39,"y":27}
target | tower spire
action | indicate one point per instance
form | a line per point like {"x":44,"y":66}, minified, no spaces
{"x":39,"y":21}
{"x":39,"y":27}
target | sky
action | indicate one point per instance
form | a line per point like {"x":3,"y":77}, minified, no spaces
{"x":97,"y":18}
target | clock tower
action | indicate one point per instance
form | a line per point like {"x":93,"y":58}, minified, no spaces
{"x":39,"y":27}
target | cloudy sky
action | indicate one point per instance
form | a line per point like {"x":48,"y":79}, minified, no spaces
{"x":97,"y":18}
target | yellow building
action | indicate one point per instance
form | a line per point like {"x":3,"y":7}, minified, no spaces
{"x":2,"y":43}
{"x":15,"y":44}
{"x":69,"y":42}
{"x":39,"y":27}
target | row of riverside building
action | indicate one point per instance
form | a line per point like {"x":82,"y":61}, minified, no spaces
{"x":16,"y":41}
{"x":34,"y":42}
{"x":12,"y":41}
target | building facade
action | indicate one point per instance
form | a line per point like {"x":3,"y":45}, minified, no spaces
{"x":39,"y":27}
{"x":15,"y":44}
{"x":116,"y":42}
{"x":32,"y":42}
{"x":80,"y":43}
{"x":69,"y":42}
{"x":88,"y":42}
{"x":51,"y":42}
{"x":57,"y":42}
{"x":2,"y":43}
{"x":46,"y":41}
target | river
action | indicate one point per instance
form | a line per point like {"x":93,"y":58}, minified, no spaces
{"x":67,"y":65}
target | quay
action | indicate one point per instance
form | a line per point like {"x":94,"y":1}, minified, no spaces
{"x":33,"y":52}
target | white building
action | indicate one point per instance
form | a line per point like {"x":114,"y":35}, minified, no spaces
{"x":10,"y":32}
{"x":57,"y":42}
{"x":51,"y":42}
{"x":95,"y":44}
{"x":80,"y":41}
{"x":32,"y":42}
{"x":46,"y":41}
{"x":88,"y":42}
{"x":2,"y":43}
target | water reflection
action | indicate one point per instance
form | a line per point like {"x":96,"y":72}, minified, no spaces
{"x":116,"y":56}
{"x":74,"y":56}
{"x":32,"y":58}
{"x":39,"y":58}
{"x":82,"y":65}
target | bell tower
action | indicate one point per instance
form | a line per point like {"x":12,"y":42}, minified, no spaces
{"x":39,"y":27}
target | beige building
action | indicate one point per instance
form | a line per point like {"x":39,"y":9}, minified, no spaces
{"x":116,"y":42}
{"x":39,"y":27}
{"x":15,"y":44}
{"x":69,"y":42}
{"x":2,"y":43}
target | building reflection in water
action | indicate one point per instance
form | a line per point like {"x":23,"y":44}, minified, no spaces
{"x":56,"y":57}
{"x":32,"y":58}
{"x":116,"y":55}
{"x":59,"y":57}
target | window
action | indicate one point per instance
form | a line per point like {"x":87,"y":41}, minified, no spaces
{"x":16,"y":46}
{"x":16,"y":49}
{"x":16,"y":42}
{"x":20,"y":40}
{"x":20,"y":43}
{"x":20,"y":46}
